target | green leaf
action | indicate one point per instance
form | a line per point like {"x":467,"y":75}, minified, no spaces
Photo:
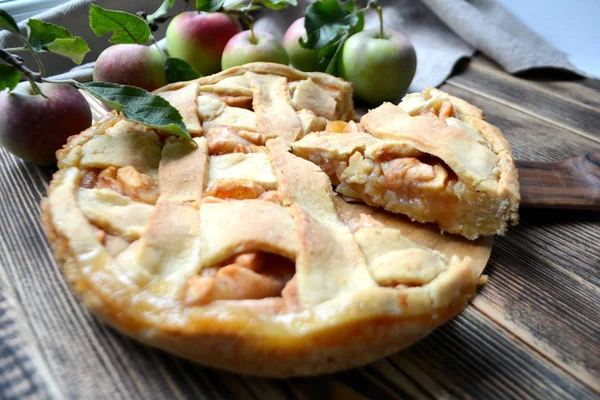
{"x":74,"y":48}
{"x":161,"y":11}
{"x":328,"y":25}
{"x":126,"y":28}
{"x":209,"y":5}
{"x":43,"y":33}
{"x":9,"y":77}
{"x":44,"y":36}
{"x":7,"y":22}
{"x":138,"y":105}
{"x":276,"y":4}
{"x":179,"y":70}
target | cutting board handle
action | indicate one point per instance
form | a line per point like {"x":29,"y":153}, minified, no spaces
{"x":571,"y":184}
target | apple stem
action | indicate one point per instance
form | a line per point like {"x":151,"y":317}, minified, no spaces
{"x":374,"y":4}
{"x":252,"y":36}
{"x":30,"y":75}
{"x":251,"y":23}
{"x":155,"y":43}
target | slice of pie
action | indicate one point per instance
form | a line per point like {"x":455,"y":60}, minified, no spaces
{"x":237,"y":256}
{"x":432,"y":158}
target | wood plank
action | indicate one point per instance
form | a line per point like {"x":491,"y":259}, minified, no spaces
{"x":569,"y":87}
{"x":570,"y":184}
{"x":521,"y":96}
{"x":530,"y":137}
{"x":472,"y":357}
{"x":572,"y":237}
{"x":546,"y":307}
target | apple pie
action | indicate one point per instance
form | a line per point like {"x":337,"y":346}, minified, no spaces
{"x":233,"y":252}
{"x":432,"y":158}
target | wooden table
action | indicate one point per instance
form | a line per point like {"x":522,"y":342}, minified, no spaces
{"x":532,"y":332}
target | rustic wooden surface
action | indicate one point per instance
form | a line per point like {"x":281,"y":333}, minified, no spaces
{"x":570,"y":184}
{"x":532,"y":332}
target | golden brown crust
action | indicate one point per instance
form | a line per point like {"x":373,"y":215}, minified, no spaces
{"x":171,"y":277}
{"x":246,"y":344}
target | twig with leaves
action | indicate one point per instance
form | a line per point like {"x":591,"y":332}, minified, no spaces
{"x":136,"y":104}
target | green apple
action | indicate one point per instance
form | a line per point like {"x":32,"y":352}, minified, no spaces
{"x":381,"y":68}
{"x":131,"y":64}
{"x":34,"y":128}
{"x":199,"y":39}
{"x":301,"y":58}
{"x":245,"y":48}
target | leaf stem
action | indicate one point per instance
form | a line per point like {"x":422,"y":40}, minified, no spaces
{"x":41,"y":69}
{"x":30,"y":75}
{"x":16,"y":49}
{"x":234,"y":5}
{"x":69,"y":81}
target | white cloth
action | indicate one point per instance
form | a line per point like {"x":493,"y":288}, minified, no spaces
{"x":442,"y":31}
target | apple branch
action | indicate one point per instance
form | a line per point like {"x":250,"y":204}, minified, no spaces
{"x":30,"y":75}
{"x":234,"y":5}
{"x":41,"y":69}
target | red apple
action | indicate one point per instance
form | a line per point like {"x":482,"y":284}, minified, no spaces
{"x":242,"y":49}
{"x":131,"y":64}
{"x":301,"y":58}
{"x":33,"y":127}
{"x":381,"y":68}
{"x":199,"y":39}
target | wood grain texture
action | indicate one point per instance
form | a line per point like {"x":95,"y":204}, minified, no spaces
{"x":532,"y":332}
{"x":531,"y":138}
{"x":520,"y":95}
{"x":571,"y":184}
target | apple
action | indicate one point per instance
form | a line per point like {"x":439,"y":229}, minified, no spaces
{"x":199,"y":39}
{"x":301,"y":58}
{"x":381,"y":68}
{"x":131,"y":64}
{"x":33,"y":127}
{"x":242,"y":49}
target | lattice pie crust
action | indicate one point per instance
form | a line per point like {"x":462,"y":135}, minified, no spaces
{"x":230,"y":251}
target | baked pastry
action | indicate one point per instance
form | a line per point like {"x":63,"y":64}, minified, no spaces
{"x":432,"y":158}
{"x":236,"y":256}
{"x":243,"y":107}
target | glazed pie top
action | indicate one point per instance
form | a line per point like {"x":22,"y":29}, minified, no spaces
{"x":432,"y":157}
{"x":233,"y":252}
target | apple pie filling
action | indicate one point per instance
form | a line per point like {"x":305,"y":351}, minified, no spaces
{"x":421,"y":160}
{"x":256,"y":229}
